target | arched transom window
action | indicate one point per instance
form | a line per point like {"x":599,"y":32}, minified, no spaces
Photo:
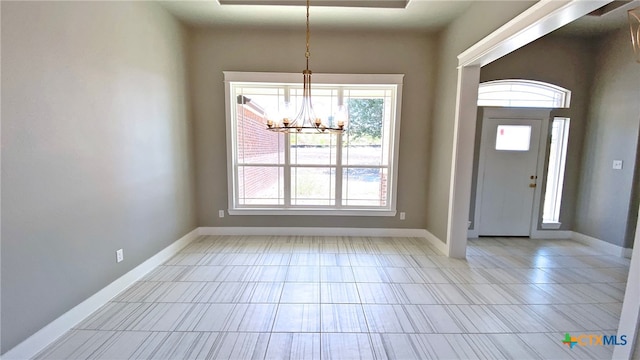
{"x":523,"y":93}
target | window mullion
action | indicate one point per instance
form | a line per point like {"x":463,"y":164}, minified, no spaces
{"x":287,"y":170}
{"x":339,"y":172}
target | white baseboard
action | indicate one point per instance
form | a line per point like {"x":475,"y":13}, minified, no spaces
{"x":537,"y":234}
{"x":48,"y":334}
{"x":601,"y":245}
{"x":312,"y":231}
{"x":437,"y":243}
{"x":552,"y":234}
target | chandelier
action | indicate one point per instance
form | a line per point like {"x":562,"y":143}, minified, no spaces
{"x":634,"y":24}
{"x":306,"y":120}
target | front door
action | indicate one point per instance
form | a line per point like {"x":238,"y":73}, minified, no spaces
{"x":508,"y":172}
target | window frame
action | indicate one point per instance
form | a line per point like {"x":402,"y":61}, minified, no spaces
{"x":235,"y":77}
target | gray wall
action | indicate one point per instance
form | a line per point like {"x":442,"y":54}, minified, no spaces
{"x":479,"y":20}
{"x":562,"y":61}
{"x":604,"y":196}
{"x":96,"y":149}
{"x":213,"y":51}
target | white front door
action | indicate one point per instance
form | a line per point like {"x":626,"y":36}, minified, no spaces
{"x":507,"y":175}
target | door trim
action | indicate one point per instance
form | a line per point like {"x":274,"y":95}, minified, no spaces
{"x":516,"y":113}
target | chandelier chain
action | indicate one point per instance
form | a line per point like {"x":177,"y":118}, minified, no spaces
{"x":307,"y":54}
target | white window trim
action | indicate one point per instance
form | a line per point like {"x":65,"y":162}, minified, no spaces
{"x":318,"y":78}
{"x":551,"y":225}
{"x":301,"y":211}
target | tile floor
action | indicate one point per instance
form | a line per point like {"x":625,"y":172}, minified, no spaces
{"x":233,"y":297}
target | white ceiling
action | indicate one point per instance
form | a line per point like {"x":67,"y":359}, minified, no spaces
{"x":419,"y":15}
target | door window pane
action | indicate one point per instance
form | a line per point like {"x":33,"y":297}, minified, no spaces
{"x":513,"y":137}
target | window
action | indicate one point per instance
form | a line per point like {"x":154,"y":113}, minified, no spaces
{"x":313,"y":174}
{"x":513,"y":137}
{"x":555,"y":173}
{"x":522,"y":93}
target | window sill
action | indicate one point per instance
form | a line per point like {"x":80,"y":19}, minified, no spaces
{"x":312,"y":212}
{"x":551,"y":225}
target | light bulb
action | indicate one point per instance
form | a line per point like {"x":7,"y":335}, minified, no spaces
{"x":342,"y":116}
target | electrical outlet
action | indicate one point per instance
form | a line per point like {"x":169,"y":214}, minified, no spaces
{"x":221,"y":213}
{"x":403,"y":215}
{"x":617,"y":164}
{"x":119,"y":255}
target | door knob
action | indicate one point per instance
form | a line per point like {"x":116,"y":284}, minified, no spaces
{"x":532,"y":185}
